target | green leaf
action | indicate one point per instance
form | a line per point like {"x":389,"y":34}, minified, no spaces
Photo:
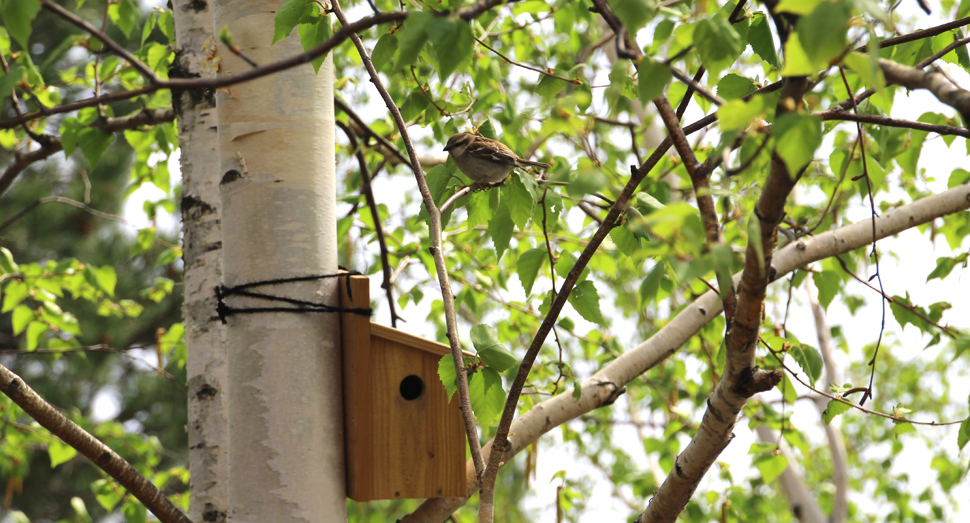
{"x":79,"y":507}
{"x":414,"y":105}
{"x":146,"y":29}
{"x":314,"y":34}
{"x":626,"y":241}
{"x":733,"y":87}
{"x":772,"y":467}
{"x":809,"y":360}
{"x":634,"y":14}
{"x":384,"y":51}
{"x":586,"y":300}
{"x":106,"y":278}
{"x":93,"y":143}
{"x":797,"y":62}
{"x":107,"y":493}
{"x":867,"y":69}
{"x":736,"y":114}
{"x":59,"y":452}
{"x":22,"y":315}
{"x":652,"y":79}
{"x":902,"y":427}
{"x":484,"y":336}
{"x":10,"y":79}
{"x":17,"y":17}
{"x":759,"y":36}
{"x":828,"y":283}
{"x":528,"y":267}
{"x":166,"y":22}
{"x":521,"y":199}
{"x":500,"y":229}
{"x":487,"y":395}
{"x":35,"y":330}
{"x":718,"y":44}
{"x":798,"y":7}
{"x":787,"y":389}
{"x":833,"y":409}
{"x":651,"y":284}
{"x":146,"y":237}
{"x":134,"y":512}
{"x":822,"y":33}
{"x":964,"y":435}
{"x":550,"y":87}
{"x":412,"y":36}
{"x":125,"y":15}
{"x":944,"y":266}
{"x":288,"y":16}
{"x":7,"y":265}
{"x":447,"y":375}
{"x":453,"y":43}
{"x":796,"y":138}
{"x":479,"y":209}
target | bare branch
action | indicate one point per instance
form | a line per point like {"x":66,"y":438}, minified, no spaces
{"x":93,"y":449}
{"x":668,"y":340}
{"x":108,"y":42}
{"x":471,"y":430}
{"x":22,"y":161}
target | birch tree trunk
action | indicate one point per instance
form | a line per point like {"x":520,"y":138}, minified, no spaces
{"x":276,"y":138}
{"x":202,"y":254}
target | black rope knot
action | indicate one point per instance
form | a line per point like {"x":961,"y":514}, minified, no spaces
{"x":224,"y":310}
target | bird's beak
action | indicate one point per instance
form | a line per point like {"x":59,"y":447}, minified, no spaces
{"x":448,"y":147}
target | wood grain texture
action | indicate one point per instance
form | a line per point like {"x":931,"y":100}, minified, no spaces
{"x":396,"y":448}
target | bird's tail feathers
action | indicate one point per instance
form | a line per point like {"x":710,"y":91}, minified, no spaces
{"x":535,"y":164}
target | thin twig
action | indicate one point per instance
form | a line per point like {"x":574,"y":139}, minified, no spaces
{"x":950,"y":332}
{"x":365,"y":187}
{"x":849,"y":403}
{"x":874,"y":253}
{"x":84,"y":207}
{"x":682,"y":108}
{"x":108,"y":42}
{"x":448,"y":298}
{"x":529,"y":67}
{"x":384,"y":142}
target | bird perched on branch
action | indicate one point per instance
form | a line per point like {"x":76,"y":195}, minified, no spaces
{"x":484,"y":160}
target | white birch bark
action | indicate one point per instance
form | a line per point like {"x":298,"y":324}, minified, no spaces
{"x":792,"y":481}
{"x":833,"y":430}
{"x":278,"y":189}
{"x":557,"y":410}
{"x":201,"y":252}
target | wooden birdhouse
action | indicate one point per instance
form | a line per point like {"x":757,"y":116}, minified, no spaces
{"x":403,"y":438}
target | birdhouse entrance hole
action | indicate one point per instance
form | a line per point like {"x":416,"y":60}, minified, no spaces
{"x":411,"y":387}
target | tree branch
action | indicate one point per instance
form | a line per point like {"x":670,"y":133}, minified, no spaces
{"x":894,"y":122}
{"x":742,"y":378}
{"x":555,"y":411}
{"x":22,"y":161}
{"x":93,"y":449}
{"x":448,"y":298}
{"x":365,"y":187}
{"x":933,"y":81}
{"x":108,"y":42}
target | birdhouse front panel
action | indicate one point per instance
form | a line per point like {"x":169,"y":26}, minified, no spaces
{"x":417,"y":438}
{"x":403,"y":438}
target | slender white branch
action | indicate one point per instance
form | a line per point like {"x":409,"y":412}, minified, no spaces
{"x":557,"y":410}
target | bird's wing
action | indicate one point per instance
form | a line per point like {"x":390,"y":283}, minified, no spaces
{"x":492,"y":150}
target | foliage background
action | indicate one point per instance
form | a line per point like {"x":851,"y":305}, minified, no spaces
{"x":96,"y":283}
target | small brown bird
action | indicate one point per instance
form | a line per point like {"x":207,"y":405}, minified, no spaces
{"x":485,"y":160}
